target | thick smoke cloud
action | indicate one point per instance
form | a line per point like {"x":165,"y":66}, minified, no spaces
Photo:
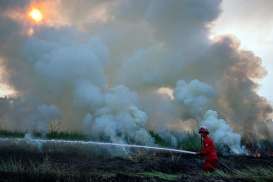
{"x":117,"y":118}
{"x":195,"y":96}
{"x":27,"y":116}
{"x":99,"y":71}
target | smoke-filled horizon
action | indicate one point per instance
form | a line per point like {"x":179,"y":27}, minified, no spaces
{"x":117,"y":69}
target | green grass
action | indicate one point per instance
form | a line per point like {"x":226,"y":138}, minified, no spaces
{"x":191,"y":141}
{"x":163,"y":176}
{"x":158,"y":139}
{"x":14,"y":134}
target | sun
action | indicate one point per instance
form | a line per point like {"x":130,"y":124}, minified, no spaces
{"x":36,"y":15}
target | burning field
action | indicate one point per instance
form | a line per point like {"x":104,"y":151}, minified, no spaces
{"x":34,"y":159}
{"x":137,"y":72}
{"x":68,"y":162}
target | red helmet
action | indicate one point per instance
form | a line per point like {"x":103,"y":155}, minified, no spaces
{"x":203,"y":130}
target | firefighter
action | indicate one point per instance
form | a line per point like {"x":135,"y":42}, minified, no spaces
{"x":208,"y":151}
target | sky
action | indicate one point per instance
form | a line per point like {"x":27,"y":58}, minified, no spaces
{"x":251,"y":21}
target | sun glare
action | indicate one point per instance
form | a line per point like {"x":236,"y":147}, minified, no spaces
{"x":36,"y":15}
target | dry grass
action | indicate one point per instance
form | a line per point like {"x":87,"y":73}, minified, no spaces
{"x":258,"y":174}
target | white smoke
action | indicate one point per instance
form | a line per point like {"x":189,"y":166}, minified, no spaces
{"x":221,"y":132}
{"x":102,"y":74}
{"x":42,"y":117}
{"x":119,"y":119}
{"x":88,"y":95}
{"x":28,"y":138}
{"x":62,"y":62}
{"x":28,"y":116}
{"x":195,"y":95}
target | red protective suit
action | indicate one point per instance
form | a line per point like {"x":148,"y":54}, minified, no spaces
{"x":209,"y":152}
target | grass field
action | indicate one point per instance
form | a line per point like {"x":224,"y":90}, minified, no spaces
{"x":17,"y":164}
{"x":256,"y":174}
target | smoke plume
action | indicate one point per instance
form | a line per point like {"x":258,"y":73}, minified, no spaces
{"x":221,"y":132}
{"x":98,"y":66}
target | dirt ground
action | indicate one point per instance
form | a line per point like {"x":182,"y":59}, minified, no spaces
{"x":18,"y":164}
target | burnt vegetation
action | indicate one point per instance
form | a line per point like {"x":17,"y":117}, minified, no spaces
{"x":19,"y":164}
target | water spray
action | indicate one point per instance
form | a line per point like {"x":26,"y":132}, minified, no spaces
{"x":42,"y":141}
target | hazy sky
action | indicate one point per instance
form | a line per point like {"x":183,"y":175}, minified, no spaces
{"x":251,"y":21}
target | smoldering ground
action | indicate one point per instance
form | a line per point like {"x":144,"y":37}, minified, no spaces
{"x":23,"y":164}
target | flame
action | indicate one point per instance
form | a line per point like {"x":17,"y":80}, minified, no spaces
{"x":36,"y":15}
